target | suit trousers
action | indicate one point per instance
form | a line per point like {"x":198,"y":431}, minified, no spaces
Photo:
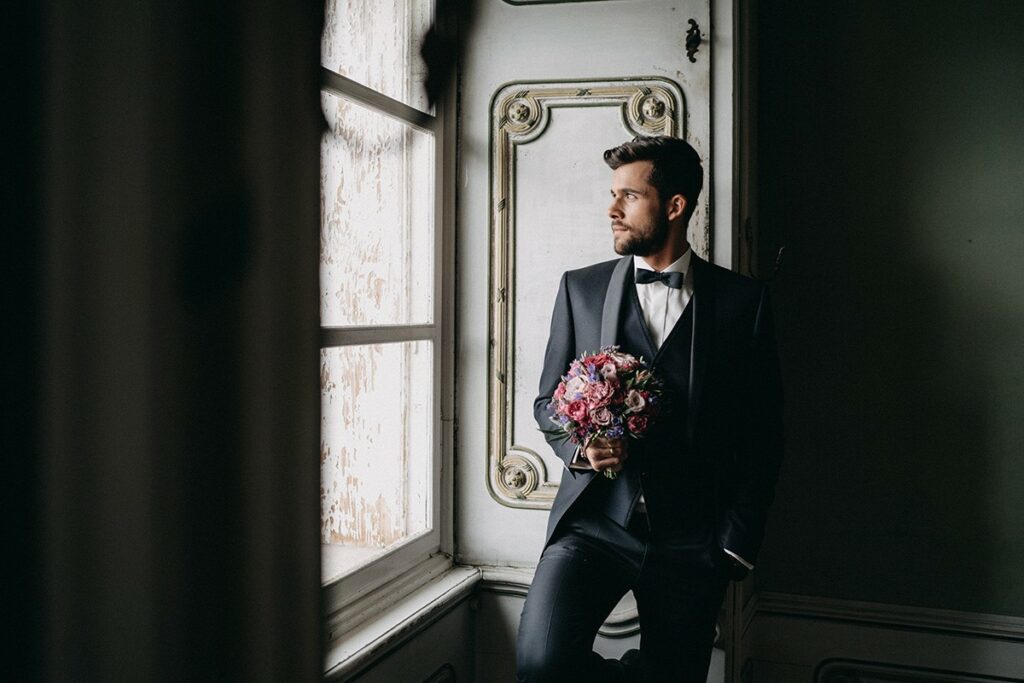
{"x":678,"y":582}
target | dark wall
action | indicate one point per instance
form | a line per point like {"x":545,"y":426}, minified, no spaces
{"x":891,"y":166}
{"x":162,"y":414}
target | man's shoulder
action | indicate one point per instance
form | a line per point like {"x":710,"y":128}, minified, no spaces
{"x":730,"y":280}
{"x":592,"y":274}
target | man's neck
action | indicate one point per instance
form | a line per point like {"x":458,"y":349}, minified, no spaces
{"x":668,"y":255}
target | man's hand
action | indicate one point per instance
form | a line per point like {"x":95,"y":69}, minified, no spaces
{"x":607,"y":454}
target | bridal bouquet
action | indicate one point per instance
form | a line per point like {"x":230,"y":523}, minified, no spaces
{"x":606,"y":394}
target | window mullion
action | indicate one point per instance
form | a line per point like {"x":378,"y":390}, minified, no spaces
{"x":377,"y":101}
{"x":377,"y":334}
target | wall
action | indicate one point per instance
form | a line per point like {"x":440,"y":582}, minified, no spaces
{"x":890,"y":168}
{"x":442,"y":651}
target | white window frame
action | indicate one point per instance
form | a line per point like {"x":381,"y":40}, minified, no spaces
{"x":351,"y":599}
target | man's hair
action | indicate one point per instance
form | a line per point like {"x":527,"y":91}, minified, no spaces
{"x":675,"y":166}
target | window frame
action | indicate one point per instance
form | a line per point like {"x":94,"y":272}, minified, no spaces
{"x":421,"y":558}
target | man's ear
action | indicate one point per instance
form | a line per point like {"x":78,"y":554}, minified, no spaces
{"x":675,"y":206}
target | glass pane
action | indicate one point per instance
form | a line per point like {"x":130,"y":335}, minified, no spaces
{"x":377,"y":43}
{"x":376,"y":450}
{"x":376,"y":217}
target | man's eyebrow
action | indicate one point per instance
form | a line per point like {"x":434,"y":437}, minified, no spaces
{"x":628,"y":189}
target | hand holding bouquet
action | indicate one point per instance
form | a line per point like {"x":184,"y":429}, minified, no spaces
{"x":608,"y":394}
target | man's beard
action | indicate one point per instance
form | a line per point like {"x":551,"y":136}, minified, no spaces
{"x":646,"y":244}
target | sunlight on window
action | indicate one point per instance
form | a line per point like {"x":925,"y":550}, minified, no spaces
{"x":375,"y":449}
{"x":377,"y":43}
{"x":378,"y":247}
{"x":377,"y":237}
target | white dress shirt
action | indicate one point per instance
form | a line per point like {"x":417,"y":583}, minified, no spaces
{"x":662,"y":305}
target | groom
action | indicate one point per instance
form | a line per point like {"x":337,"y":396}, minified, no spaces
{"x":686,"y":512}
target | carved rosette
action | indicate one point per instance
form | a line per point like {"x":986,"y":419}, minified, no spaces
{"x":518,"y":477}
{"x":652,"y":111}
{"x":520,"y":113}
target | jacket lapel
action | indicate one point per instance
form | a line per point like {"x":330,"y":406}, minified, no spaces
{"x":703,"y":303}
{"x":612,"y":310}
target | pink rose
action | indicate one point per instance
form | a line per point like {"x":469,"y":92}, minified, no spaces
{"x":559,"y":392}
{"x":637,"y":424}
{"x":577,"y":411}
{"x":635,"y":401}
{"x":599,"y":393}
{"x":602,"y":416}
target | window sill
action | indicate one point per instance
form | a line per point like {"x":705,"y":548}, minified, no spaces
{"x":357,"y":647}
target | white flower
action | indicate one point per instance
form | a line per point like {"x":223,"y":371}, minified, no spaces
{"x":575,"y":386}
{"x":634,"y":401}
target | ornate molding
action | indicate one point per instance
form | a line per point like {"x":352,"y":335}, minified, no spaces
{"x":856,"y":671}
{"x":881,"y":615}
{"x":445,"y":674}
{"x":520,"y":113}
{"x":792,"y":630}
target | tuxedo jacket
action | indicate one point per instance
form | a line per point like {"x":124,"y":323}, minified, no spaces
{"x":713,"y":456}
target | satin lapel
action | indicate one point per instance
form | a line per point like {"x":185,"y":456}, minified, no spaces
{"x":703,"y":303}
{"x":613,"y":301}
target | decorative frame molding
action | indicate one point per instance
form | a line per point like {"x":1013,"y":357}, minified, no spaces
{"x":882,"y":615}
{"x":829,"y":638}
{"x":849,"y":670}
{"x":520,"y":112}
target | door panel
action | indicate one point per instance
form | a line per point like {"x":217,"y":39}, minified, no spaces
{"x":546,"y":88}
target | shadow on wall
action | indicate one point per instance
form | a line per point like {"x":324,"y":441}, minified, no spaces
{"x":890,"y":167}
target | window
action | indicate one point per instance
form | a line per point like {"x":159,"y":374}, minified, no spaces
{"x":385,"y":300}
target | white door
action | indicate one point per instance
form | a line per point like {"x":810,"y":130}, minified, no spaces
{"x":545,"y":89}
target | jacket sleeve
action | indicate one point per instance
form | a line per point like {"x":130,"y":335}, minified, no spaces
{"x":561,"y":351}
{"x":759,"y":457}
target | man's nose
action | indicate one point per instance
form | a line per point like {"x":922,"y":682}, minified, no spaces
{"x":613,"y":209}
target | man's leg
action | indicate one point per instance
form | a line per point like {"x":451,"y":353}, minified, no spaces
{"x":679,"y":594}
{"x":577,"y":584}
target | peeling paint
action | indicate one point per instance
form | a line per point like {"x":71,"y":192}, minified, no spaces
{"x":376,"y":444}
{"x":377,"y":43}
{"x":376,"y":201}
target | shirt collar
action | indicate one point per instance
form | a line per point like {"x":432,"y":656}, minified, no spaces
{"x":680,"y":265}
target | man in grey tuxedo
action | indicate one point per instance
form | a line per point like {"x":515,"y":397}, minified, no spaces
{"x":686,"y":511}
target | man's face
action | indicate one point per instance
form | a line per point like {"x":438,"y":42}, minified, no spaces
{"x":639,"y":222}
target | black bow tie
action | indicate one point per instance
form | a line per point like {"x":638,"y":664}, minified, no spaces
{"x":646,"y":277}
